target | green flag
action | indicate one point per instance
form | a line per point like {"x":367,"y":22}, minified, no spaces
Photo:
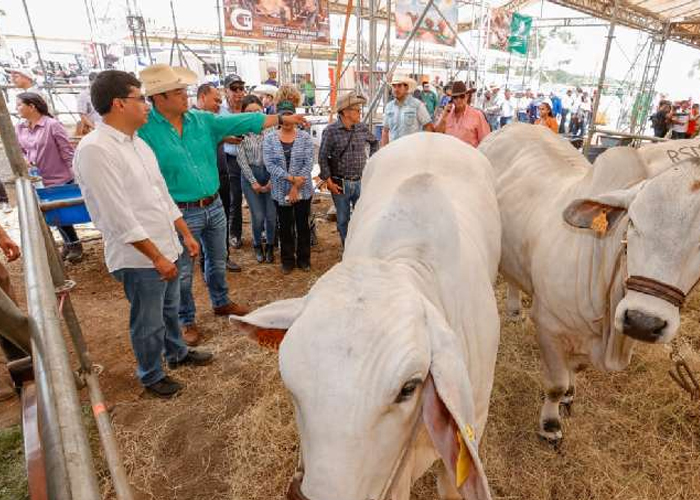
{"x":519,"y":33}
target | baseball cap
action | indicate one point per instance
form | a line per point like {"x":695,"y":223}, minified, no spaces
{"x":231,"y":79}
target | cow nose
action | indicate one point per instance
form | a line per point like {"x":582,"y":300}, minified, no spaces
{"x":642,"y":327}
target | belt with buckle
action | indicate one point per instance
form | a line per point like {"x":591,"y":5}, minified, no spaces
{"x":204,"y":202}
{"x":352,"y":179}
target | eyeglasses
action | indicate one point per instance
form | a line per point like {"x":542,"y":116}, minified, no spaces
{"x":141,"y":97}
{"x":461,"y":96}
{"x":236,"y":88}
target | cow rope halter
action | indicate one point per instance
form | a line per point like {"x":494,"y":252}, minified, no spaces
{"x":294,"y":492}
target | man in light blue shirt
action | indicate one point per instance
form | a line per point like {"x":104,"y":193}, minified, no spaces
{"x":405,"y":114}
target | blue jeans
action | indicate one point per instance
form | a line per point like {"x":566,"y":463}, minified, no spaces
{"x":344,"y":203}
{"x":262,"y":209}
{"x":505,"y":121}
{"x":522,"y":117}
{"x":153,"y":321}
{"x":208,"y":226}
{"x":493,"y":121}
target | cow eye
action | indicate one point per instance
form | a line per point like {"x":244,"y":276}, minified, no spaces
{"x":407,"y":391}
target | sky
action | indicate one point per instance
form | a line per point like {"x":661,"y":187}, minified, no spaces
{"x":201,"y":15}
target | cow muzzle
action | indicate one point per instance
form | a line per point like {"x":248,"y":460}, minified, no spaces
{"x":643,"y":327}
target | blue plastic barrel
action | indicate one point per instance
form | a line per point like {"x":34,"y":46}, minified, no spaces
{"x":76,"y":214}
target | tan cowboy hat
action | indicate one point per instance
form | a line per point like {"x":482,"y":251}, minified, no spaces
{"x":350,"y":99}
{"x":160,"y":78}
{"x":403,"y":79}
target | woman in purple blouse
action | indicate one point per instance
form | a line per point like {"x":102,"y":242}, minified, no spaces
{"x":45,"y":143}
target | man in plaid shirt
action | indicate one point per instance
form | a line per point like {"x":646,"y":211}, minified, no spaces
{"x":343,"y":157}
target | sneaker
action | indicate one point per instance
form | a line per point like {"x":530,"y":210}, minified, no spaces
{"x":5,"y":207}
{"x":165,"y":387}
{"x":74,"y":252}
{"x":235,"y":242}
{"x":193,"y":358}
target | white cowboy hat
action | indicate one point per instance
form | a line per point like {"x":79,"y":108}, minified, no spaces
{"x":403,"y":79}
{"x":160,"y":78}
{"x":22,"y":71}
{"x":264,"y":89}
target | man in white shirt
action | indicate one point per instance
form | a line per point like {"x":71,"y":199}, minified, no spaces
{"x":507,"y":108}
{"x":129,"y":203}
{"x":567,"y":106}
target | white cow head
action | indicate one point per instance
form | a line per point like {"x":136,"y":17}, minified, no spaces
{"x":663,"y":247}
{"x":368,"y":359}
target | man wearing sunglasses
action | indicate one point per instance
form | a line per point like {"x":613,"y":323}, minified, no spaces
{"x":235,"y":92}
{"x":461,"y":120}
{"x":185,"y":142}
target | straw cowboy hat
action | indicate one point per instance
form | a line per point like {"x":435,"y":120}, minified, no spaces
{"x":22,"y":71}
{"x":160,"y":78}
{"x":350,"y":99}
{"x":264,"y":89}
{"x":405,"y":80}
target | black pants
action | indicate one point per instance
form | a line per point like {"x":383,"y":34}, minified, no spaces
{"x":3,"y":194}
{"x":294,"y":217}
{"x":678,"y":135}
{"x":224,"y":187}
{"x":235,"y":213}
{"x":562,"y":124}
{"x":68,"y":234}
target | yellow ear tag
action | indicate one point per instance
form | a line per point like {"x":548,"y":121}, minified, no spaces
{"x":600,"y":223}
{"x":463,"y":459}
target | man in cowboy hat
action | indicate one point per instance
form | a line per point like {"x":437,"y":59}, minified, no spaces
{"x":185,"y":141}
{"x":24,"y":79}
{"x":271,"y":77}
{"x":461,"y":120}
{"x":404,"y":114}
{"x":342,"y":157}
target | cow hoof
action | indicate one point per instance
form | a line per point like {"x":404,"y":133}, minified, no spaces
{"x":553,"y":439}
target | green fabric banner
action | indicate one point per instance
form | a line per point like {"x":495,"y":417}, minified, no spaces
{"x":519,"y":33}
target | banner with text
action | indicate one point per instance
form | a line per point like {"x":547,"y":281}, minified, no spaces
{"x":294,"y":20}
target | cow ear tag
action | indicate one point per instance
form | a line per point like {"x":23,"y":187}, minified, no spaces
{"x":599,"y":224}
{"x":464,"y":460}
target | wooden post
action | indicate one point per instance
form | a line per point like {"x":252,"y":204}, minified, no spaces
{"x":339,"y":62}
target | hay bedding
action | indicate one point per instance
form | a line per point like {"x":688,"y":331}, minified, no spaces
{"x":231,"y":434}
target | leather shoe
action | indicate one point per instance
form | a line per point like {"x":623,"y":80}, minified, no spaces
{"x":232,"y":266}
{"x":194,"y":358}
{"x":164,"y":388}
{"x":190,"y":334}
{"x":231,"y":308}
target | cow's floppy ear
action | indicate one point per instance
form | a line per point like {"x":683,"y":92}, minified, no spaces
{"x":602,"y":212}
{"x":448,"y":410}
{"x":268,"y":324}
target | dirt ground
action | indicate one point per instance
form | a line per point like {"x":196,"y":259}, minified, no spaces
{"x":231,"y":435}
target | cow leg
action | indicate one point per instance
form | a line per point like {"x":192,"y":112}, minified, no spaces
{"x":556,"y":382}
{"x":567,"y":402}
{"x":512,"y":302}
{"x":445,"y":486}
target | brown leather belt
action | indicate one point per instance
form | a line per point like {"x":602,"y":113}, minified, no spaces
{"x":204,"y":202}
{"x":658,"y":289}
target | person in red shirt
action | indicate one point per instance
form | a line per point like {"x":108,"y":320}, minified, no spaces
{"x":693,"y":127}
{"x":461,"y":120}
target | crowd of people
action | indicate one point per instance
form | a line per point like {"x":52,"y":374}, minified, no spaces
{"x":164,"y":181}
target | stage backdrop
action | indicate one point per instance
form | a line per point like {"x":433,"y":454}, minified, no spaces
{"x":434,"y":28}
{"x":294,"y":20}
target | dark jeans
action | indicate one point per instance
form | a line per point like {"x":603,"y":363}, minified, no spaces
{"x":291,"y":217}
{"x":235,"y":213}
{"x":505,"y":120}
{"x":68,"y":234}
{"x":224,"y":188}
{"x":678,"y":135}
{"x":152,"y":321}
{"x":562,"y":123}
{"x":344,"y":204}
{"x":3,"y":194}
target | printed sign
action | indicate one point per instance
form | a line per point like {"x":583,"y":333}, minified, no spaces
{"x":434,"y":28}
{"x":519,"y":33}
{"x":295,"y":20}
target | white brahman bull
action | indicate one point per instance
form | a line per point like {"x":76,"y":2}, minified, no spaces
{"x":390,"y":356}
{"x":607,"y":254}
{"x":661,"y":156}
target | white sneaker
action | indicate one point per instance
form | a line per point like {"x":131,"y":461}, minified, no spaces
{"x":5,"y":207}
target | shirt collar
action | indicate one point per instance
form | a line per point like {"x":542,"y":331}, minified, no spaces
{"x":113,"y":132}
{"x":156,"y":116}
{"x":40,"y":123}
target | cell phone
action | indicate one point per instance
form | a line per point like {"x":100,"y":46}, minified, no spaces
{"x":338,"y":182}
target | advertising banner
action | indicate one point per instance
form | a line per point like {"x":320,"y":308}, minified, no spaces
{"x":434,"y":28}
{"x":294,"y":20}
{"x":519,"y":33}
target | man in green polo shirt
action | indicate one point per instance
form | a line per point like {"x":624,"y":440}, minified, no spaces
{"x":184,"y":142}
